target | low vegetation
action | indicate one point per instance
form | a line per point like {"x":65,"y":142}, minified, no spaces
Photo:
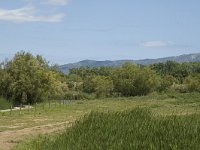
{"x":4,"y":104}
{"x":136,"y":129}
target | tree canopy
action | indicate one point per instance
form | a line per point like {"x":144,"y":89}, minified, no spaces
{"x":27,"y":79}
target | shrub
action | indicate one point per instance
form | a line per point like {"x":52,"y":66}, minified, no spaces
{"x":4,"y":104}
{"x":74,"y":95}
{"x":192,"y":83}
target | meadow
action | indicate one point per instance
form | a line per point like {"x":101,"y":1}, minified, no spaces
{"x":167,"y":121}
{"x":166,"y":104}
{"x":136,"y":129}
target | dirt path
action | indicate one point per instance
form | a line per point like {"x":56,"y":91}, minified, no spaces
{"x":16,"y":108}
{"x":9,"y":138}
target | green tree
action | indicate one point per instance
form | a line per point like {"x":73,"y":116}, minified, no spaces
{"x":166,"y":82}
{"x":88,"y":85}
{"x":28,"y":77}
{"x":192,"y":83}
{"x":103,"y":86}
{"x":75,"y":82}
{"x":132,"y":80}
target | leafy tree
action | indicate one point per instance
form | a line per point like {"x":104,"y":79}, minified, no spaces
{"x":28,"y":79}
{"x":88,"y":85}
{"x":146,"y":81}
{"x":103,"y":86}
{"x":131,"y":80}
{"x":192,"y":83}
{"x":166,"y":82}
{"x":75,"y":82}
{"x":124,"y":79}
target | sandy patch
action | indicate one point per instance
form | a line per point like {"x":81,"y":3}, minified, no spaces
{"x":9,"y":138}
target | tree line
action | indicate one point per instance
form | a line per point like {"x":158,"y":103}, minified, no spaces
{"x":28,"y":79}
{"x":136,"y":80}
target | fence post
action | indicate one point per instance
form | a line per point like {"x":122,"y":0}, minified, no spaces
{"x":20,"y":109}
{"x":28,"y":107}
{"x":11,"y":109}
{"x":35,"y":109}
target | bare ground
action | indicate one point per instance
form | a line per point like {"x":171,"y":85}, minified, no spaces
{"x":8,"y":139}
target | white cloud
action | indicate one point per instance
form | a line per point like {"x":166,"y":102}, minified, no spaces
{"x":57,"y":2}
{"x":156,"y":43}
{"x":28,"y":14}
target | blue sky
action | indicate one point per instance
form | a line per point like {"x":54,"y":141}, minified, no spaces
{"x":66,"y":31}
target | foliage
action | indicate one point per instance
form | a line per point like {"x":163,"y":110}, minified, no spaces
{"x":88,"y":86}
{"x":178,"y":70}
{"x":192,"y":83}
{"x":4,"y":104}
{"x":131,"y":80}
{"x":75,"y":95}
{"x":103,"y":86}
{"x":167,"y":81}
{"x":75,"y":82}
{"x":27,"y":79}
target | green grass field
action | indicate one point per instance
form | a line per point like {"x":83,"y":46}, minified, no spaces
{"x":136,"y":129}
{"x":161,"y":106}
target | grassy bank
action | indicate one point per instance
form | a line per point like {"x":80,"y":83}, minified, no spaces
{"x":136,"y":129}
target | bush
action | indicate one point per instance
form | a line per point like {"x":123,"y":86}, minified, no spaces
{"x":4,"y":104}
{"x":167,"y":82}
{"x":132,"y":80}
{"x":192,"y":83}
{"x":181,"y":88}
{"x":74,"y":95}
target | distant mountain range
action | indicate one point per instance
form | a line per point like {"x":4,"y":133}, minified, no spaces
{"x":92,"y":63}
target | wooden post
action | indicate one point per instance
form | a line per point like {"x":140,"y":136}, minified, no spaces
{"x":35,"y":109}
{"x":20,"y":109}
{"x":28,"y":107}
{"x":11,"y":109}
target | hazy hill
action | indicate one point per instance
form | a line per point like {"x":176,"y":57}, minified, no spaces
{"x":92,"y":63}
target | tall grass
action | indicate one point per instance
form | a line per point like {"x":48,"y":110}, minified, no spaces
{"x":4,"y":104}
{"x":136,"y":129}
